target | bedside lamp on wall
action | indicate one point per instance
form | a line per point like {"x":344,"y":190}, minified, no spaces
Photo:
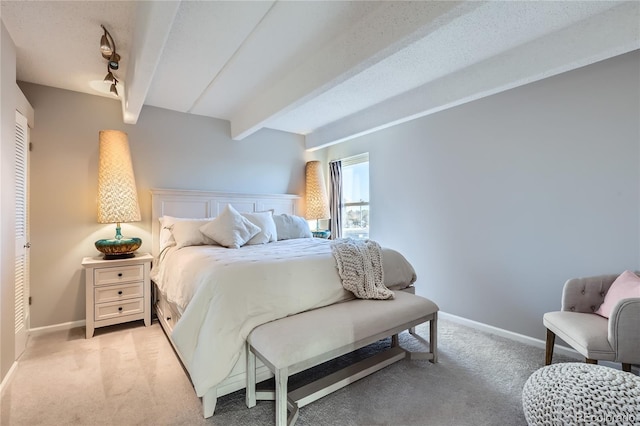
{"x":316,"y":197}
{"x":117,"y":194}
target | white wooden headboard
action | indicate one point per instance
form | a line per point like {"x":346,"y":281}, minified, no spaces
{"x":199,"y":204}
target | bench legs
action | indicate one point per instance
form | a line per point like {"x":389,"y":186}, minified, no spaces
{"x":250,"y":395}
{"x":432,"y":355}
{"x":282,"y":377}
{"x":280,"y":396}
{"x":300,"y":397}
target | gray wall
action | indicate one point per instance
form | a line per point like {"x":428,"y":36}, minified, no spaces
{"x":169,"y":150}
{"x":499,"y":201}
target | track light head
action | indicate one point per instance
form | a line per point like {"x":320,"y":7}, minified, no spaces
{"x":105,"y":46}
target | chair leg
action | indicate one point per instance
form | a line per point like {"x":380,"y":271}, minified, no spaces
{"x":548,"y":354}
{"x":433,"y":337}
{"x":626,"y":367}
{"x":591,"y":361}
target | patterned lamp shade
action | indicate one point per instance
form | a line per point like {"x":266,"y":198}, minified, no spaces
{"x":117,"y":194}
{"x":316,"y":192}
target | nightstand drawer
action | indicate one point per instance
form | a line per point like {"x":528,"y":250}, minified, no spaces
{"x":120,"y":274}
{"x":119,"y":309}
{"x":118,"y":292}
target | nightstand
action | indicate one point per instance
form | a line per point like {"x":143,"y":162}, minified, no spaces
{"x":117,"y":291}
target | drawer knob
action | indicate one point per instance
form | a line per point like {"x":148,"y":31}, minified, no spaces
{"x":120,"y":308}
{"x":120,"y":274}
{"x":120,"y":293}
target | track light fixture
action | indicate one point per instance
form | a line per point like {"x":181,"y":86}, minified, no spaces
{"x":108,"y":50}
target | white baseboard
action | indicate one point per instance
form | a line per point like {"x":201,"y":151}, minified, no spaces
{"x":7,"y":379}
{"x":538,"y":343}
{"x":36,"y":332}
{"x":56,"y":327}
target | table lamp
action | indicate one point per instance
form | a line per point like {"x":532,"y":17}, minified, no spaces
{"x":117,"y":194}
{"x":316,"y":197}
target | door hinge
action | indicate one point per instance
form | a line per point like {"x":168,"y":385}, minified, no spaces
{"x":30,"y":146}
{"x":29,"y":300}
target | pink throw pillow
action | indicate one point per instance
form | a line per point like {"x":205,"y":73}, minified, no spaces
{"x":627,"y":285}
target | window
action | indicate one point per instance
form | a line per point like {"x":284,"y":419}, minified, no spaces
{"x":355,"y":197}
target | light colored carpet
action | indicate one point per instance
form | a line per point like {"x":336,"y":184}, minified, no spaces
{"x":129,"y":374}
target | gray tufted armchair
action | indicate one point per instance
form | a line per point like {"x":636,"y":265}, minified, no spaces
{"x":596,"y":338}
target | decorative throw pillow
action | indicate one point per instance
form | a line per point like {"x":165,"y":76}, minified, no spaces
{"x":187,"y":233}
{"x":291,"y":226}
{"x":230,"y":229}
{"x":627,"y":285}
{"x":166,"y":238}
{"x":263,"y":220}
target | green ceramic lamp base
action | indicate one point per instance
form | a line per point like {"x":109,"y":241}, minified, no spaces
{"x":119,"y":247}
{"x":321,"y":234}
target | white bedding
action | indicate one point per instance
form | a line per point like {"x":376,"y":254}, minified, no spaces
{"x":225,"y":293}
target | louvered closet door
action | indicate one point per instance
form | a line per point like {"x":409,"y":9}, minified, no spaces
{"x":22,"y":241}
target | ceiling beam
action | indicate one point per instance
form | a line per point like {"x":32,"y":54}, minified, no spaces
{"x":390,"y":27}
{"x":153,"y":23}
{"x":576,"y":46}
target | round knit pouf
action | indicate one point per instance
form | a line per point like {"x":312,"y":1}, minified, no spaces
{"x":581,"y":394}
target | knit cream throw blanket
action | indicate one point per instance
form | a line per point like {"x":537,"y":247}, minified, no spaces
{"x":360,"y":268}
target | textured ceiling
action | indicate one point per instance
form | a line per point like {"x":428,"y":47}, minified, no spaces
{"x":330,"y":70}
{"x":57,"y":42}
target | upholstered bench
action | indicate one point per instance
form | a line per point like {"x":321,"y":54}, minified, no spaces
{"x":298,"y":342}
{"x":581,"y":394}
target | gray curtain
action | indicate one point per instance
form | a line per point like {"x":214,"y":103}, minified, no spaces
{"x":335,"y":201}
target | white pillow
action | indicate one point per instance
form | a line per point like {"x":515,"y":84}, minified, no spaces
{"x":291,"y":226}
{"x":230,"y":229}
{"x":187,"y":233}
{"x":166,"y":238}
{"x":263,"y":220}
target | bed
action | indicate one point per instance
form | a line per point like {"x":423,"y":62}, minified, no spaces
{"x":208,"y":298}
